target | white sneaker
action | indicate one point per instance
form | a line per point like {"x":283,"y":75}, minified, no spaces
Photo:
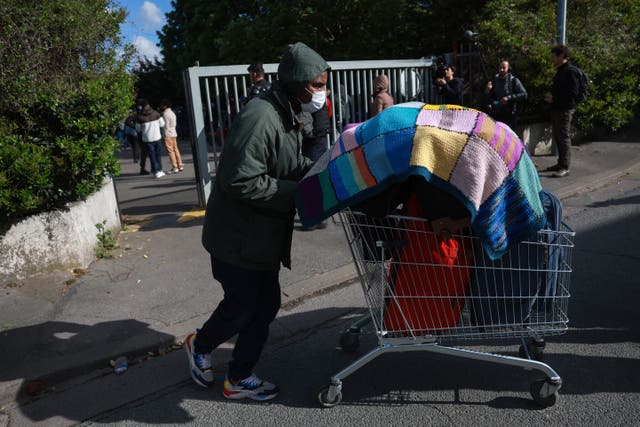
{"x":159,"y":174}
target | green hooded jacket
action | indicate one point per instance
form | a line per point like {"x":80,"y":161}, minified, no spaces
{"x":249,"y":217}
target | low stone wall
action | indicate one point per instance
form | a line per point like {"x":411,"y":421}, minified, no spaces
{"x":537,"y":137}
{"x":58,"y":239}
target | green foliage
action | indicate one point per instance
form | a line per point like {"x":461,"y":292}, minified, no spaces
{"x":231,"y":32}
{"x":154,"y":84}
{"x":65,"y":88}
{"x":603,"y":37}
{"x":106,"y":241}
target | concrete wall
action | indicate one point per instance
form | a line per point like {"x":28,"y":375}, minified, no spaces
{"x":58,"y":239}
{"x":537,"y":138}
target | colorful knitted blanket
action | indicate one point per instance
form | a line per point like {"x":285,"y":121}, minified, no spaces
{"x":462,"y":151}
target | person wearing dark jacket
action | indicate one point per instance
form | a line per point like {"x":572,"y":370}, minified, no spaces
{"x":502,"y":95}
{"x":314,"y":144}
{"x":259,"y":83}
{"x":248,"y":224}
{"x":564,"y":92}
{"x":450,"y":87}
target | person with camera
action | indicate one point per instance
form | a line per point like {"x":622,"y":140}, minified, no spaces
{"x":450,"y":87}
{"x":503,"y":93}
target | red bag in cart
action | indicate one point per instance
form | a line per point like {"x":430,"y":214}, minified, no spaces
{"x":429,"y":281}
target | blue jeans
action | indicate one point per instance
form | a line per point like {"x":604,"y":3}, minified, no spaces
{"x":153,"y":149}
{"x":251,"y":302}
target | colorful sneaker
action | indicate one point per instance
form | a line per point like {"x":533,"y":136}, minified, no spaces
{"x":251,"y":387}
{"x":199,"y":364}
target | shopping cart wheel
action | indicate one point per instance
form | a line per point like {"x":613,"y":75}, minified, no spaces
{"x":534,"y":350}
{"x":544,"y":392}
{"x":323,"y":398}
{"x":350,"y":341}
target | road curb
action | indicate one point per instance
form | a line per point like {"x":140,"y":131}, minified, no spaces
{"x":596,"y":182}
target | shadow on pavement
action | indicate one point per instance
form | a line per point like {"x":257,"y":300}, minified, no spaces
{"x":598,"y":355}
{"x":68,"y":349}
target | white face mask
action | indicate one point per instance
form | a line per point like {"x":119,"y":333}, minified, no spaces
{"x":317,"y":101}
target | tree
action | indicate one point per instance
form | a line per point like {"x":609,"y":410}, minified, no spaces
{"x":154,"y":84}
{"x":603,"y":37}
{"x":65,"y":88}
{"x":232,"y":32}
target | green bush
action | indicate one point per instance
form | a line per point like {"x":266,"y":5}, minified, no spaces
{"x":603,"y":37}
{"x":65,"y":89}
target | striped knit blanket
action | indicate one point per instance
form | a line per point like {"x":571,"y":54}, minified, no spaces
{"x":462,"y":151}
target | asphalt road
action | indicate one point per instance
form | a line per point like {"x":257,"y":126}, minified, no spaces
{"x":597,"y":359}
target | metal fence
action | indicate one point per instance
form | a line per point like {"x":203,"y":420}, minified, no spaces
{"x":215,"y":96}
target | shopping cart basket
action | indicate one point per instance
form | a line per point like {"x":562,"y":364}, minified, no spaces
{"x":428,"y":282}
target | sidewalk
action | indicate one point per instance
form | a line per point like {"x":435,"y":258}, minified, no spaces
{"x":158,"y":286}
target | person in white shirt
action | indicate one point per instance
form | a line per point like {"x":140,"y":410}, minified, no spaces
{"x":149,"y":124}
{"x":171,"y":136}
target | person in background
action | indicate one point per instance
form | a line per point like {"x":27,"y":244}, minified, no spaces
{"x":248,"y":226}
{"x":503,"y":93}
{"x":343,"y":108}
{"x":171,"y":136}
{"x":149,"y":124}
{"x":381,"y":97}
{"x":317,"y":141}
{"x":450,"y":87}
{"x":144,"y":152}
{"x":259,"y":83}
{"x":132,"y":137}
{"x":565,"y":89}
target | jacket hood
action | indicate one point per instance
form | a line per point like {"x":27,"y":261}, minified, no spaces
{"x":299,"y":65}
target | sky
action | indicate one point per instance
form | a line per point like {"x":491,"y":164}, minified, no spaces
{"x":145,"y":18}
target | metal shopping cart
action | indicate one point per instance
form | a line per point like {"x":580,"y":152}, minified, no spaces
{"x":427,"y":283}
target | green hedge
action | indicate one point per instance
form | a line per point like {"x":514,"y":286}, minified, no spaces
{"x":603,"y":37}
{"x":65,"y":87}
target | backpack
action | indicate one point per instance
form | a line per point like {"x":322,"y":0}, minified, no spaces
{"x":583,"y":86}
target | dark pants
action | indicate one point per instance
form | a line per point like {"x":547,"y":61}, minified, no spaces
{"x":135,"y":147}
{"x":251,"y":302}
{"x":144,"y":153}
{"x":561,"y":127}
{"x":505,"y":116}
{"x":154,"y":156}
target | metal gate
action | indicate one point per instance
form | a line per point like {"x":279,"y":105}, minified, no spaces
{"x":214,"y":97}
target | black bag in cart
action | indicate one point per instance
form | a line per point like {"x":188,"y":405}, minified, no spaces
{"x":505,"y":291}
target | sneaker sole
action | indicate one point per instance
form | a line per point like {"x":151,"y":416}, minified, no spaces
{"x":238,"y":395}
{"x":192,"y":366}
